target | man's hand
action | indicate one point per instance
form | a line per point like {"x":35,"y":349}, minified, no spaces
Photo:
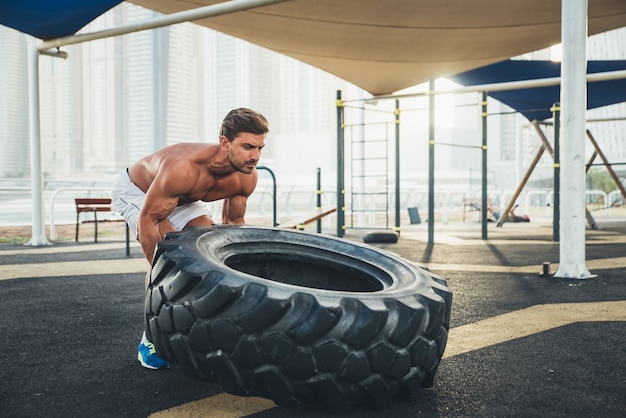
{"x":151,"y":235}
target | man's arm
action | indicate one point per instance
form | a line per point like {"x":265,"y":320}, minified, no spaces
{"x":161,"y":200}
{"x":234,"y":207}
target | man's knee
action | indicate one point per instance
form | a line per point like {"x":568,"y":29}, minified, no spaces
{"x":203,"y":220}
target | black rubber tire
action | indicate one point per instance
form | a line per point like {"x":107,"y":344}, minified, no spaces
{"x":295,"y":317}
{"x":380,"y":237}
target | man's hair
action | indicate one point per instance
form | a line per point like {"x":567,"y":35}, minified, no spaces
{"x":243,"y":120}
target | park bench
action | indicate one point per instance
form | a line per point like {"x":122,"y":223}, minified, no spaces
{"x":471,"y":204}
{"x":91,"y":205}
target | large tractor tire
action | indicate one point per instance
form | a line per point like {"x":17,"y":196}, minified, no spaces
{"x":295,"y":317}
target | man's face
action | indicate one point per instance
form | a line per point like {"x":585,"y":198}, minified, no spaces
{"x":244,"y":151}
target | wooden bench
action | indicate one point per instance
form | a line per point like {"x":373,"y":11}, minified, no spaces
{"x":471,"y":204}
{"x":91,"y":205}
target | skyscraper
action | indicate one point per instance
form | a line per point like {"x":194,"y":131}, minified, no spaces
{"x":14,"y":130}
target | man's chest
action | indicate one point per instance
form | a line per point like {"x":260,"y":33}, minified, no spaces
{"x":213,"y":189}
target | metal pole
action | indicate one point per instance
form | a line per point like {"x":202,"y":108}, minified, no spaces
{"x":397,"y":181}
{"x":431,"y":163}
{"x":340,"y":168}
{"x":319,"y":198}
{"x":166,"y":20}
{"x":557,"y":174}
{"x":573,"y":108}
{"x":274,"y":205}
{"x":484,"y":173}
{"x":509,"y":85}
{"x":357,"y":197}
{"x":38,"y":237}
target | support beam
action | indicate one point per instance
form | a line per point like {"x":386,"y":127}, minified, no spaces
{"x":573,"y":108}
{"x":598,"y":151}
{"x":38,"y":237}
{"x":340,"y":167}
{"x":397,"y":171}
{"x":159,"y":22}
{"x":483,"y":206}
{"x":505,"y":86}
{"x":431,"y":164}
{"x":556,"y":206}
{"x":520,"y":186}
{"x":590,"y":220}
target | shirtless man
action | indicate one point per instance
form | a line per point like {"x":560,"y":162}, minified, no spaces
{"x":165,"y":191}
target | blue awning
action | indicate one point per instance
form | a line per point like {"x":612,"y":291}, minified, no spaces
{"x":49,"y":19}
{"x":535,"y":103}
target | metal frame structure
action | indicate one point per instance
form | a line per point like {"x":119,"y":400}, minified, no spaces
{"x":571,"y":125}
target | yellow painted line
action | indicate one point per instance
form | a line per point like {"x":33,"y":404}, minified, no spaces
{"x":73,"y":268}
{"x":484,"y":268}
{"x":600,"y":264}
{"x":222,"y":406}
{"x":529,"y":321}
{"x":463,"y":339}
{"x":54,"y":249}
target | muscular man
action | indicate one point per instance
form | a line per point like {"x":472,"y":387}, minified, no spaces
{"x":165,"y":191}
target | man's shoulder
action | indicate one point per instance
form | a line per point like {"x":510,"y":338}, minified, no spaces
{"x":190,"y":146}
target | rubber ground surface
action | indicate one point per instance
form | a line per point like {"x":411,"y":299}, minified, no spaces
{"x":520,"y":344}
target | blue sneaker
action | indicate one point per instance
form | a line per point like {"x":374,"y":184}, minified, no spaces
{"x":146,"y":354}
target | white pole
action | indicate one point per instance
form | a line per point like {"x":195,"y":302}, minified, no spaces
{"x":573,"y":109}
{"x":161,"y":21}
{"x":505,"y":86}
{"x":38,"y":237}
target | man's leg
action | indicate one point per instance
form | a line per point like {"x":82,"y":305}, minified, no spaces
{"x":146,"y":352}
{"x":128,"y":199}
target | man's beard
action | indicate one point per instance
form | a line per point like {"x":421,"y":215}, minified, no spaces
{"x":242,"y":168}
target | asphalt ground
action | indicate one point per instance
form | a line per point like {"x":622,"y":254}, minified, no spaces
{"x":521,"y":344}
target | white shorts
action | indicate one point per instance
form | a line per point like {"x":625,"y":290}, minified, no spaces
{"x":127,"y":199}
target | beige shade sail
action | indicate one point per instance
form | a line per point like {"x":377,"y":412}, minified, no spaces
{"x":384,"y":46}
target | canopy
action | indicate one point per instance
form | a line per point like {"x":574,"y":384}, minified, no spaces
{"x":535,"y":103}
{"x":381,"y":46}
{"x":47,"y":19}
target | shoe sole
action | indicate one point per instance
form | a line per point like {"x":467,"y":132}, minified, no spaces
{"x":147,"y":366}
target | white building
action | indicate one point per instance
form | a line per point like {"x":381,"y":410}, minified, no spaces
{"x":14,"y":122}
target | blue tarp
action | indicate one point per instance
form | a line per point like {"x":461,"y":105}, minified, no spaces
{"x":49,"y":19}
{"x":535,"y":103}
